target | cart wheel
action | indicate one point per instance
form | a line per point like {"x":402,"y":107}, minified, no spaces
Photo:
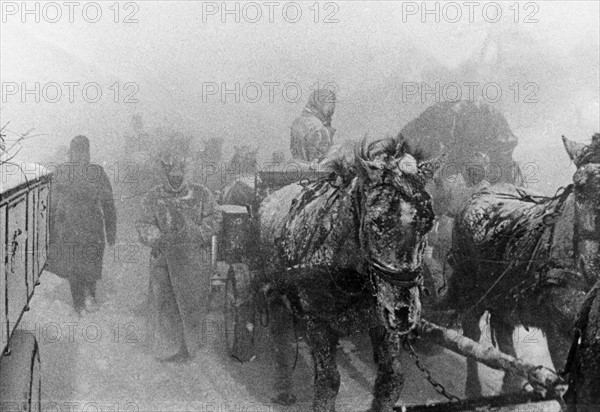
{"x":229,"y":311}
{"x":239,"y":314}
{"x":20,"y":374}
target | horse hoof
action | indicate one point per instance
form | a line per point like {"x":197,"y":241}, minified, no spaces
{"x":284,"y":399}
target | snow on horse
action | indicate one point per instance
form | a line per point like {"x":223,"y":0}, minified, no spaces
{"x":527,"y":259}
{"x":345,"y":254}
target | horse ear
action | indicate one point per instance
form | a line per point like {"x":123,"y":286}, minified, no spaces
{"x":574,"y":149}
{"x":429,"y":168}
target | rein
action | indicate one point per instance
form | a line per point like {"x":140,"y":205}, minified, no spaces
{"x":547,"y":223}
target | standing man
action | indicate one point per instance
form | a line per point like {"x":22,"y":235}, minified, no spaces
{"x":312,"y":134}
{"x":178,"y":221}
{"x":83,"y":214}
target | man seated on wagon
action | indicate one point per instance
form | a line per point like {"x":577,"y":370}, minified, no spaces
{"x":312,"y":134}
{"x":178,"y":221}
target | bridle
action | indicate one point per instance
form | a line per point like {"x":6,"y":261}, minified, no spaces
{"x":404,"y":279}
{"x":414,"y":278}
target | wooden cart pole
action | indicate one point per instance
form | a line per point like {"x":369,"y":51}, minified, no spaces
{"x":541,"y":379}
{"x":213,"y":252}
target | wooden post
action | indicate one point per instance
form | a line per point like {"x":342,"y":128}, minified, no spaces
{"x":542,"y":379}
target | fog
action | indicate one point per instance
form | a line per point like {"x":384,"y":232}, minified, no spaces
{"x":243,"y":76}
{"x":170,"y":60}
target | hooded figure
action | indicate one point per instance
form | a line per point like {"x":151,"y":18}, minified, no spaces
{"x":178,"y":221}
{"x":312,"y":134}
{"x":83,"y":213}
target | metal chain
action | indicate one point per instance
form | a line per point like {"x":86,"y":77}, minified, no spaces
{"x":439,"y":388}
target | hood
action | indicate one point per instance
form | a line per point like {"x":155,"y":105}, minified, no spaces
{"x":316,"y":104}
{"x":79,"y":150}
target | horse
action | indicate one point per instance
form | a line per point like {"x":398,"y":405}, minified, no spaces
{"x":239,"y":187}
{"x":583,"y":363}
{"x":344,"y":254}
{"x":479,"y":143}
{"x":524,"y":258}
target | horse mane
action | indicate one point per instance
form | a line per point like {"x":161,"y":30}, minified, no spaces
{"x":388,"y":148}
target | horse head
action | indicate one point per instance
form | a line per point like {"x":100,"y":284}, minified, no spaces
{"x":244,"y":159}
{"x":395,"y":213}
{"x":587,"y":161}
{"x":586,"y":182}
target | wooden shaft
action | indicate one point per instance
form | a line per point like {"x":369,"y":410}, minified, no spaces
{"x":487,"y":355}
{"x":213,"y":258}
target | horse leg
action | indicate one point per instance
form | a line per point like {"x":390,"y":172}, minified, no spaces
{"x":390,"y":380}
{"x":470,"y":326}
{"x":559,"y":342}
{"x":278,"y":327}
{"x":503,"y":333}
{"x":323,"y":344}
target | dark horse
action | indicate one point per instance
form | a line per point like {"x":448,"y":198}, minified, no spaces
{"x":525,"y":259}
{"x":583,"y":363}
{"x":345,"y":254}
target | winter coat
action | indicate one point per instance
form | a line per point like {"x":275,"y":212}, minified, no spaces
{"x":178,"y":226}
{"x":312,"y":134}
{"x":82,"y":216}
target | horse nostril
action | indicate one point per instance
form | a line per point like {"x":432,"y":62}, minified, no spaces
{"x":402,"y":313}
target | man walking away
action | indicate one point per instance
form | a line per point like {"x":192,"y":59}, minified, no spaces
{"x":83,"y":215}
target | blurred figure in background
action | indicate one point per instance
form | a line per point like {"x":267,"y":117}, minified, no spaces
{"x":83,"y":215}
{"x":312,"y":134}
{"x":278,"y":157}
{"x":178,"y":221}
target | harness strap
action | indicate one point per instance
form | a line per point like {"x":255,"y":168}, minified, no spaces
{"x":556,"y":211}
{"x":417,"y":281}
{"x":588,"y":234}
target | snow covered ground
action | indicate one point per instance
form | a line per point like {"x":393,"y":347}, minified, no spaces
{"x":100,"y":362}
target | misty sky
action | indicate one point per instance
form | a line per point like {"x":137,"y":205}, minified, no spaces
{"x":171,"y":55}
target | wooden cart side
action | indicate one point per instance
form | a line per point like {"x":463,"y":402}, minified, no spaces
{"x":24,"y":233}
{"x":236,"y":249}
{"x":22,"y":263}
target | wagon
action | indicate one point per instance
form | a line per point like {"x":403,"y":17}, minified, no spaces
{"x":245,"y":297}
{"x":238,"y":246}
{"x":24,"y":212}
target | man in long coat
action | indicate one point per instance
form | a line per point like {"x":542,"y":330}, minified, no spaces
{"x":83,"y":214}
{"x":178,"y":221}
{"x":312,"y":134}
